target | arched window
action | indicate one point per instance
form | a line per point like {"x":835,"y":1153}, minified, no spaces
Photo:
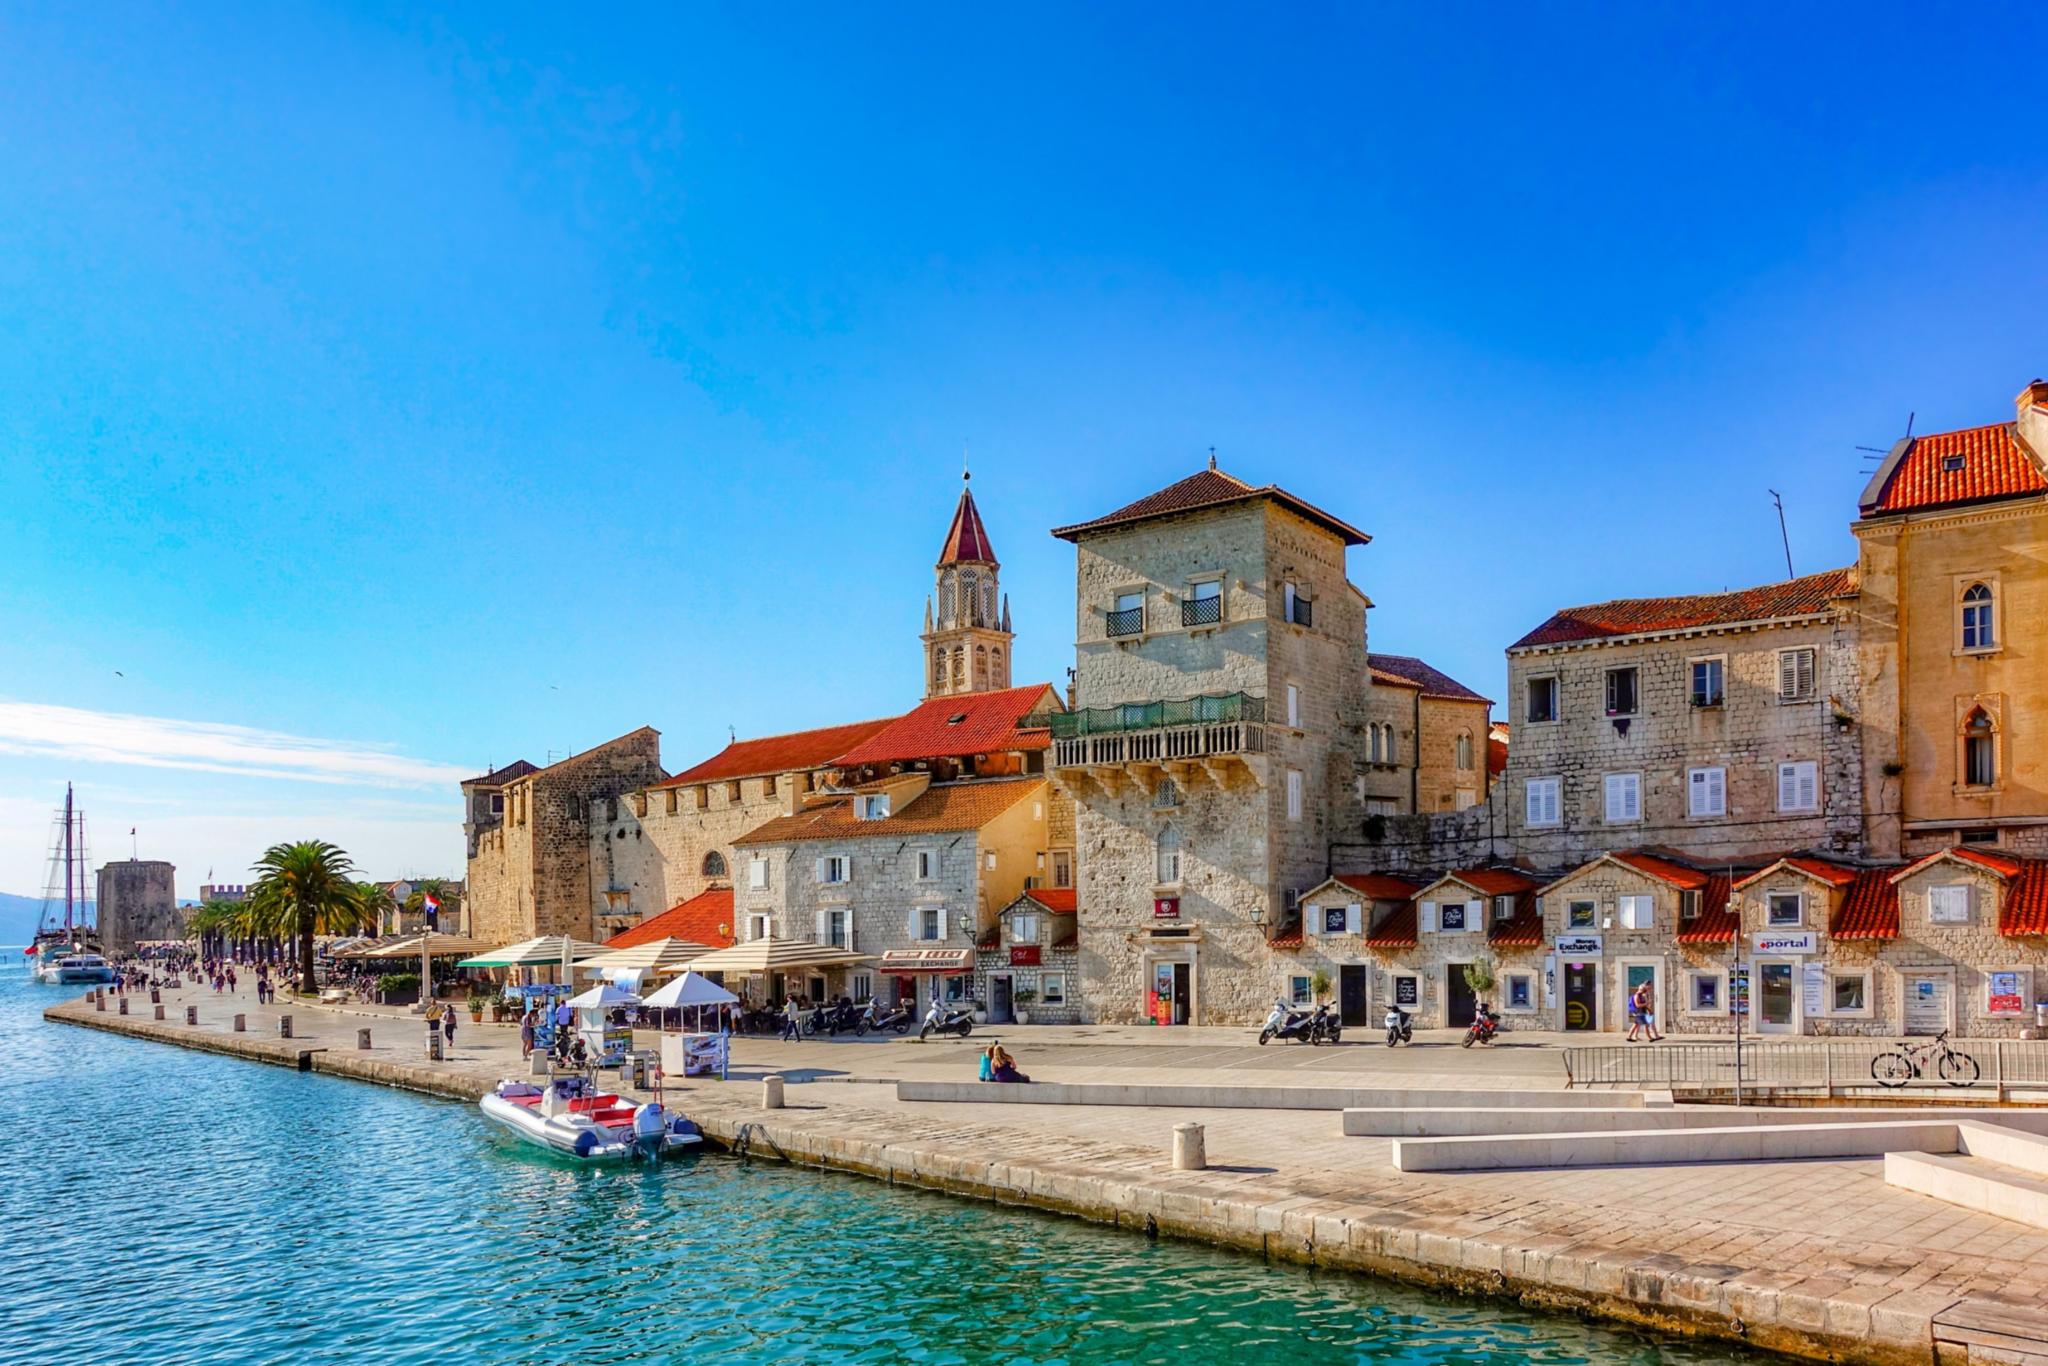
{"x":1390,"y":742}
{"x":959,"y":666}
{"x":938,"y":669}
{"x":1464,"y":749}
{"x":970,"y":599}
{"x":1980,"y":629}
{"x":988,"y":603}
{"x":714,"y":864}
{"x":946,"y":600}
{"x":1169,"y":855}
{"x":1167,"y":793}
{"x":1980,"y":750}
{"x":1374,"y":730}
{"x":995,"y":665}
{"x":981,"y":666}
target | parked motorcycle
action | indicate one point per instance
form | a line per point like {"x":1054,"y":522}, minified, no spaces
{"x":939,"y":1020}
{"x":1325,"y":1026}
{"x":1286,"y":1022}
{"x":1400,"y":1029}
{"x":834,"y":1018}
{"x":1484,"y":1026}
{"x":883,"y":1019}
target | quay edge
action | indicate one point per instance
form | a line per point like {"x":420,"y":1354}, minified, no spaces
{"x":1664,"y":1293}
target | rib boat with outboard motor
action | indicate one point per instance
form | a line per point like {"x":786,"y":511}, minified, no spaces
{"x":572,"y":1117}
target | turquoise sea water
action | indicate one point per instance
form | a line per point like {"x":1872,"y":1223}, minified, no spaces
{"x":165,"y":1206}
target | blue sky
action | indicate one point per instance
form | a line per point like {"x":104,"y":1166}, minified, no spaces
{"x":385,"y":393}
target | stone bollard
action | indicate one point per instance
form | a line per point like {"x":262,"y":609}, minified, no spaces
{"x":156,"y":997}
{"x":436,"y":1051}
{"x":99,"y":1002}
{"x":537,"y":1063}
{"x":122,"y":1005}
{"x":284,"y":1026}
{"x":771,"y":1093}
{"x":363,"y":1039}
{"x":159,"y":1012}
{"x":1188,"y":1154}
{"x":241,"y":1023}
{"x":191,"y":1015}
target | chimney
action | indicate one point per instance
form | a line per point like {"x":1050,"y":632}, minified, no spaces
{"x":2033,"y":420}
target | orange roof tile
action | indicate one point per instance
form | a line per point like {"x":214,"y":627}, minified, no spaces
{"x":940,"y":809}
{"x":1491,"y":881}
{"x":2000,"y":864}
{"x":1869,"y":909}
{"x":2025,"y":911}
{"x":967,"y":539}
{"x":1945,"y":469}
{"x":1379,"y":886}
{"x":705,"y":918}
{"x":1058,"y":900}
{"x":1207,"y":489}
{"x":1288,"y":936}
{"x":1496,"y":755}
{"x":1715,"y":924}
{"x":1522,"y":930}
{"x":803,"y":749}
{"x":952,"y":727}
{"x":1396,"y":931}
{"x":1406,"y":671}
{"x":1663,"y":869}
{"x":1801,"y":597}
{"x":1833,"y":874}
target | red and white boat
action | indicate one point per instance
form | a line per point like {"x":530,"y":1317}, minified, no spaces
{"x":572,"y":1117}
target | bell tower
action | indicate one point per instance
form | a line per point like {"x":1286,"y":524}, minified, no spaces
{"x":967,"y":621}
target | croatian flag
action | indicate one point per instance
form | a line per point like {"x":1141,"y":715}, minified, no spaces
{"x":432,"y":905}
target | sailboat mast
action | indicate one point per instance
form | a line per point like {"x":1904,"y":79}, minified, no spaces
{"x":67,"y":858}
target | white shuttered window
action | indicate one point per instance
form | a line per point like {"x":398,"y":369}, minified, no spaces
{"x":1799,"y":786}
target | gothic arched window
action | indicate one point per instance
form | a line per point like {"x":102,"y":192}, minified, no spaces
{"x":1169,"y":854}
{"x":714,"y":864}
{"x":1980,"y":629}
{"x":1464,"y":749}
{"x":1980,"y":750}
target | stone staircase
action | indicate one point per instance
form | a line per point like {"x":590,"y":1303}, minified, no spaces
{"x":1994,"y":1170}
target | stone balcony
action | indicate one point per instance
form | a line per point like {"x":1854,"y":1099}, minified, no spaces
{"x":1221,"y":736}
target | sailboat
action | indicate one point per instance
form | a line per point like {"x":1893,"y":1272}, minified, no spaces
{"x":68,"y":950}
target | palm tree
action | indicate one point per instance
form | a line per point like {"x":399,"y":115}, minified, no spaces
{"x":376,"y":904}
{"x":304,"y":889}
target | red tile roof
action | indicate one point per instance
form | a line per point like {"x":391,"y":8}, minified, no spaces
{"x":940,"y":809}
{"x":2000,"y":864}
{"x":2025,"y":911}
{"x":1207,"y":489}
{"x":1833,"y":874}
{"x":1990,"y":464}
{"x":1288,"y":936}
{"x":1496,"y":755}
{"x":1058,"y":900}
{"x":498,"y":777}
{"x":1801,"y":597}
{"x":1406,"y":671}
{"x":705,"y":918}
{"x":967,"y":539}
{"x":1715,"y":924}
{"x":1523,"y":930}
{"x":803,"y":749}
{"x":1490,"y":881}
{"x":1396,"y":931}
{"x":951,"y":727}
{"x":1869,"y":909}
{"x":1379,"y":886}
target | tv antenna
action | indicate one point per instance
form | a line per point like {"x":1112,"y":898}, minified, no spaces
{"x":1783,"y":534}
{"x":1887,"y":450}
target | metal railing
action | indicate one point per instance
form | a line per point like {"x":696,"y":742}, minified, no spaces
{"x":1139,"y":716}
{"x":1129,"y":622}
{"x":1201,"y":611}
{"x":1827,"y":1066}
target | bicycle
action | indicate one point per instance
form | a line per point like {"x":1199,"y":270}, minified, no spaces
{"x":1908,"y":1060}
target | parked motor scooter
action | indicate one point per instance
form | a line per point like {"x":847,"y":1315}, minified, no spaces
{"x":939,"y":1020}
{"x":1326,"y":1026}
{"x":1484,"y":1026}
{"x":1286,"y":1022}
{"x":883,"y":1019}
{"x":1400,"y":1029}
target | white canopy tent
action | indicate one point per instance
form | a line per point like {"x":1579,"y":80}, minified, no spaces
{"x":690,"y":989}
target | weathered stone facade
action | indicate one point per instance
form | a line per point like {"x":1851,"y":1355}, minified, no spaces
{"x":529,"y":873}
{"x":1032,"y":948}
{"x":137,"y":901}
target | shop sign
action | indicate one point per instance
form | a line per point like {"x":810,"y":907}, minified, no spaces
{"x":1406,"y":991}
{"x":2006,"y":996}
{"x":1793,"y":942}
{"x":1166,"y":908}
{"x":1573,"y":947}
{"x":1024,"y":955}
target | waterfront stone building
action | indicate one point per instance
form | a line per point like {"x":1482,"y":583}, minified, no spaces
{"x":1427,"y":740}
{"x":1028,"y":960}
{"x":137,"y":902}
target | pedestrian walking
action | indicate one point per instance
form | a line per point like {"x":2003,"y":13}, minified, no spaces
{"x":448,"y":1025}
{"x":792,"y":1020}
{"x":526,"y":1033}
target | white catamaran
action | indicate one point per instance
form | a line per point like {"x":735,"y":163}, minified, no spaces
{"x":67,"y":950}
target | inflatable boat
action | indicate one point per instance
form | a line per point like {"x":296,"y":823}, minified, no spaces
{"x":571,"y":1117}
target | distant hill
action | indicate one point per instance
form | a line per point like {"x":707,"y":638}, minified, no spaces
{"x":19,"y":916}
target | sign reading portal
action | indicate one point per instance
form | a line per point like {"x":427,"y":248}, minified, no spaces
{"x":1787,"y":942}
{"x":1576,"y":946}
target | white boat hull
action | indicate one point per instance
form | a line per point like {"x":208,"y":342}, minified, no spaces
{"x":577,"y":1135}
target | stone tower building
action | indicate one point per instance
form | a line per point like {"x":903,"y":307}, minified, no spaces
{"x":967,"y":638}
{"x":1214,"y":758}
{"x":138,"y":901}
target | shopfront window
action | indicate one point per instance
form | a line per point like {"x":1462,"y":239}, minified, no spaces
{"x":1298,"y":991}
{"x":1053,"y":991}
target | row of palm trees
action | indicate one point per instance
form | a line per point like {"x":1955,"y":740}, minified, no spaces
{"x":301,"y":890}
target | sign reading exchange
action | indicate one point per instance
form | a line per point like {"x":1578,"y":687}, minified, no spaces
{"x":1576,"y":946}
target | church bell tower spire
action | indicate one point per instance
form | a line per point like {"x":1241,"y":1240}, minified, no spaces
{"x":967,"y":630}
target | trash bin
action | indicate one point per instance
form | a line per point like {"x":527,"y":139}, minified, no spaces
{"x":2041,"y":1014}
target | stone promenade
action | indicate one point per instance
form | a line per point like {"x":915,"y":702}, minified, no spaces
{"x":1818,"y":1258}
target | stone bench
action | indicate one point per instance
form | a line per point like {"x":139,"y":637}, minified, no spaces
{"x":1259,"y":1097}
{"x":1465,"y":1121}
{"x":1638,"y":1148}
